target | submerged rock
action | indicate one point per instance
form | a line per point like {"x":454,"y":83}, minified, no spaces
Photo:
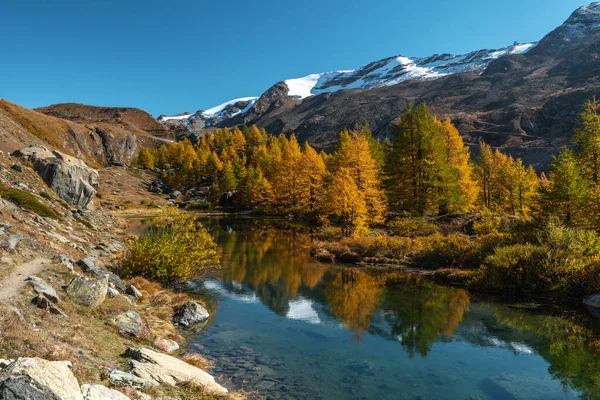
{"x":190,"y":313}
{"x":88,"y":291}
{"x":37,"y":379}
{"x":162,"y":369}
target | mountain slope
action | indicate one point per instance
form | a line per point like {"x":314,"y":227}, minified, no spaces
{"x":98,"y":135}
{"x":524,"y":98}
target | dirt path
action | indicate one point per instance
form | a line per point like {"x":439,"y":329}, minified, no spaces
{"x":14,"y":283}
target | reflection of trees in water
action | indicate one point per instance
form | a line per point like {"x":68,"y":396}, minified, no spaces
{"x":352,"y":296}
{"x":570,"y":343}
{"x":275,"y":263}
{"x":420,"y":312}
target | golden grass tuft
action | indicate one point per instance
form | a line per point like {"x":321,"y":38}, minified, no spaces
{"x":197,"y":360}
{"x":145,"y":285}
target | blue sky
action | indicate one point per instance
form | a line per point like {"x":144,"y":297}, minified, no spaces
{"x":174,"y":56}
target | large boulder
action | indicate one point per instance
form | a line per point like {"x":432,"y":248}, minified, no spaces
{"x":161,"y":369}
{"x":189,"y":314}
{"x":37,"y":379}
{"x":88,"y":291}
{"x":71,"y":179}
{"x":132,"y":324}
{"x":99,"y":392}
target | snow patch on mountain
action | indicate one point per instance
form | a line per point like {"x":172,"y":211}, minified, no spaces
{"x":394,"y":70}
{"x":215,"y":111}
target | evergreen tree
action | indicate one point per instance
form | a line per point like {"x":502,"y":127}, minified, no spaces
{"x":418,"y":174}
{"x":565,"y":194}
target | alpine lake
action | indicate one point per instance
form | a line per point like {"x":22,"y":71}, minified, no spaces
{"x":286,"y":327}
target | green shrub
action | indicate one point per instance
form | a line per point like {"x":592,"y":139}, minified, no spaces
{"x":441,"y":251}
{"x":412,"y":227}
{"x":27,"y":201}
{"x":175,"y":247}
{"x":198,"y":206}
{"x":565,"y":243}
{"x":487,"y":224}
{"x":330,"y":233}
{"x":518,"y":268}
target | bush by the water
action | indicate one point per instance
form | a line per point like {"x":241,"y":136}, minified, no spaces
{"x":27,"y":201}
{"x":565,"y":261}
{"x":175,"y":247}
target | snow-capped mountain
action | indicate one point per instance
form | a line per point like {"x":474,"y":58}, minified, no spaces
{"x":206,"y":118}
{"x":385,"y":72}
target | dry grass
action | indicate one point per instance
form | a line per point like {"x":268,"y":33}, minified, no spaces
{"x":197,"y":360}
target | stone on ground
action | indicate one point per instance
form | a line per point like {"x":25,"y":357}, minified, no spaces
{"x":37,"y":379}
{"x":190,"y":313}
{"x":132,"y":324}
{"x":99,"y":392}
{"x":166,"y":345}
{"x":88,"y":291}
{"x":42,"y":287}
{"x":161,"y":369}
{"x":124,"y":379}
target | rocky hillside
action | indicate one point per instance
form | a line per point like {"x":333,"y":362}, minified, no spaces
{"x":98,"y":135}
{"x":524,"y":97}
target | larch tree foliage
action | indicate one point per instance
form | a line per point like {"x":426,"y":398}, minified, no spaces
{"x":459,"y":156}
{"x":506,"y":184}
{"x":145,"y":159}
{"x":353,"y":153}
{"x":311,"y":178}
{"x":565,"y":193}
{"x":345,"y":205}
{"x":288,"y":174}
{"x":254,"y":189}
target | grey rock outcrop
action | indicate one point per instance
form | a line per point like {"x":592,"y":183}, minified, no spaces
{"x":99,"y":392}
{"x":88,"y":291}
{"x":69,"y":177}
{"x":37,"y":379}
{"x":161,"y":369}
{"x":189,"y":314}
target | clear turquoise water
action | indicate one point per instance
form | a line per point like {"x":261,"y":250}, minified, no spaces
{"x":285,"y":327}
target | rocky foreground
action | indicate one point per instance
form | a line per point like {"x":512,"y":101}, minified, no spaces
{"x":70,"y":327}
